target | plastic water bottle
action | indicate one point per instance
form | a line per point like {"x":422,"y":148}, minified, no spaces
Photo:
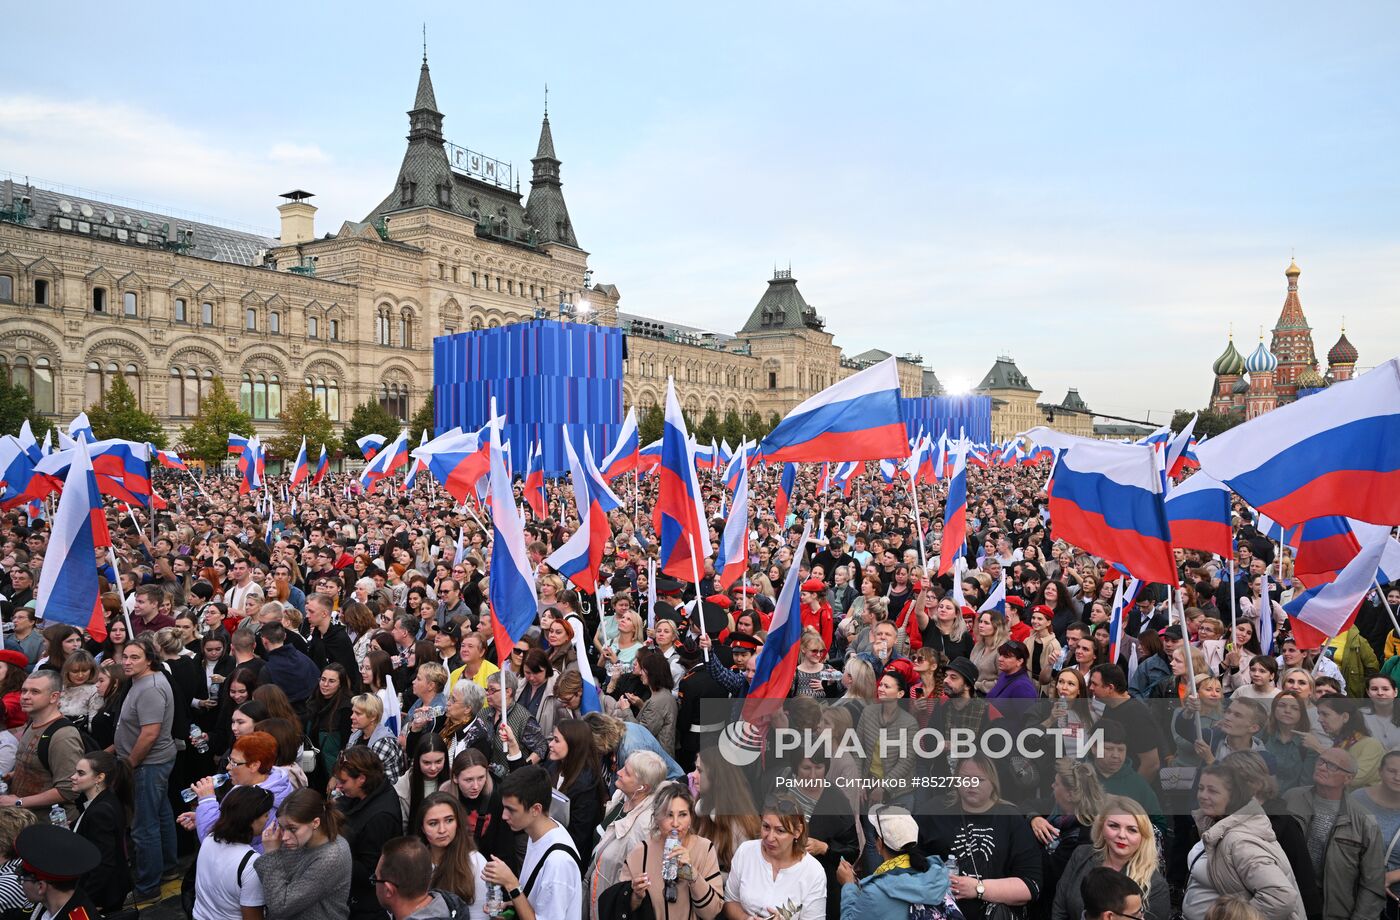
{"x":493,"y":905}
{"x":829,"y":675}
{"x":189,"y":795}
{"x":670,"y":868}
{"x":199,"y":739}
{"x":951,"y":866}
{"x":58,"y":817}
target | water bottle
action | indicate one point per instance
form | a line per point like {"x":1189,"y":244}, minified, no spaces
{"x":669,"y":867}
{"x":493,"y":905}
{"x":189,"y":795}
{"x":199,"y":739}
{"x":829,"y":675}
{"x":58,"y":817}
{"x":951,"y":866}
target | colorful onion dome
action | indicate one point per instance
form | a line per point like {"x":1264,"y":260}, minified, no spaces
{"x":1231,"y":362}
{"x":1310,"y":379}
{"x":1342,"y":353}
{"x":1261,"y":361}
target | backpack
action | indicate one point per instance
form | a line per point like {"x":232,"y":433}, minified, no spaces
{"x":41,"y":750}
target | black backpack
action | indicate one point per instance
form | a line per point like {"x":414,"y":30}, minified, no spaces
{"x":41,"y":750}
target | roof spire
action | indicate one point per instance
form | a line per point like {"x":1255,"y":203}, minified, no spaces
{"x":546,"y":102}
{"x":425,"y":44}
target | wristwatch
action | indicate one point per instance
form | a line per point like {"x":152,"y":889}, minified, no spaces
{"x":981,"y":890}
{"x":512,"y":894}
{"x":19,"y":802}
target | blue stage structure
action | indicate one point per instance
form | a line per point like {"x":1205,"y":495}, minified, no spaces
{"x":545,"y":376}
{"x":938,"y":414}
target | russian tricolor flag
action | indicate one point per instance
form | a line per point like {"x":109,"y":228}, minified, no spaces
{"x":250,"y":466}
{"x":322,"y":466}
{"x":582,"y":554}
{"x":733,"y":556}
{"x":411,"y":479}
{"x":783,"y":499}
{"x":386,"y":462}
{"x":996,"y":601}
{"x":236,"y":443}
{"x":534,"y":482}
{"x":1198,"y":513}
{"x":1336,"y":452}
{"x":300,"y":470}
{"x":624,"y":455}
{"x":1330,"y":608}
{"x":68,"y":585}
{"x":704,"y":455}
{"x":169,"y":459}
{"x":649,"y":458}
{"x":777,"y":662}
{"x":511,"y":588}
{"x":81,"y":428}
{"x":684,"y":535}
{"x":459,"y":460}
{"x":955,"y":512}
{"x":370,"y":445}
{"x":1106,"y":499}
{"x":16,"y":469}
{"x":858,"y":418}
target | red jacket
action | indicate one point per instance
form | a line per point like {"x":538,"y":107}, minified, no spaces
{"x":820,"y":619}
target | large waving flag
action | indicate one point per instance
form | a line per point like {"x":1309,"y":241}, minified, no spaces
{"x":1198,"y":513}
{"x":236,"y":443}
{"x":300,"y":470}
{"x":582,"y":554}
{"x":1180,"y":452}
{"x":322,"y":466}
{"x":168,"y":458}
{"x":1336,"y":452}
{"x":415,"y":465}
{"x":27,"y":442}
{"x":250,"y":466}
{"x":1330,"y":608}
{"x":386,"y":462}
{"x":732,"y":469}
{"x":370,"y":445}
{"x":81,"y":428}
{"x":649,"y":458}
{"x":625,"y":453}
{"x":68,"y":584}
{"x":777,"y":662}
{"x":955,"y":512}
{"x":511,"y":588}
{"x":996,"y":600}
{"x":534,"y":481}
{"x":843,"y":476}
{"x":16,"y":468}
{"x":459,"y":460}
{"x":733,"y":557}
{"x":680,"y":519}
{"x":1107,"y":500}
{"x":858,"y":418}
{"x":122,"y":470}
{"x":783,"y":500}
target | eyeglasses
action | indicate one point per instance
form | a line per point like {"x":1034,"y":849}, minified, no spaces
{"x":376,"y":880}
{"x":1335,"y":767}
{"x":237,"y":763}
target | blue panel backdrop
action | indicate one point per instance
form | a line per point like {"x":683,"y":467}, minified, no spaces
{"x":937,"y":414}
{"x":545,"y":376}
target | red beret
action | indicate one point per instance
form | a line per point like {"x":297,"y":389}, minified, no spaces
{"x":1042,"y":608}
{"x":969,"y":611}
{"x":746,"y":589}
{"x":814,"y":586}
{"x":10,"y":656}
{"x":1015,"y":601}
{"x":720,"y":600}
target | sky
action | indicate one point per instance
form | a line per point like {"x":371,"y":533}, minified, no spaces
{"x":1100,"y":190}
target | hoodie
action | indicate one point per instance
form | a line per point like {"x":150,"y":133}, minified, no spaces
{"x":891,"y":893}
{"x":207,"y":811}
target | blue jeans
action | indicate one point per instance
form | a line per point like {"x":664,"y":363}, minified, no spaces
{"x":153,"y":829}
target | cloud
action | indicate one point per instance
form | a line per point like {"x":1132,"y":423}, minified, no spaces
{"x":298,"y":153}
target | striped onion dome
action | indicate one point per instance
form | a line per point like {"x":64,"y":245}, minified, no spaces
{"x":1261,"y":361}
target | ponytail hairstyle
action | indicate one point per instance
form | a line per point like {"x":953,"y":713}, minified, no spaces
{"x":306,"y":806}
{"x":117,"y":778}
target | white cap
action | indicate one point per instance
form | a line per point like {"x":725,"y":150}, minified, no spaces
{"x":895,"y":827}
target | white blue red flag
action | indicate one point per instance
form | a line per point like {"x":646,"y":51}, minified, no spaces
{"x":733,"y":557}
{"x":68,"y":584}
{"x":1330,"y":608}
{"x":370,"y":445}
{"x":581,"y":556}
{"x":415,"y":465}
{"x":858,"y":418}
{"x":534,"y":482}
{"x":1198,"y":513}
{"x":680,"y":519}
{"x":28,"y":444}
{"x":511,"y":589}
{"x":81,"y":428}
{"x":649,"y":458}
{"x":783,"y":500}
{"x":250,"y":466}
{"x":996,"y":601}
{"x":955,"y":512}
{"x":322,"y":466}
{"x":300,"y":469}
{"x":777,"y":662}
{"x":236,"y":443}
{"x":1332,"y":453}
{"x":386,"y":462}
{"x":1107,"y":500}
{"x":168,"y":459}
{"x":625,"y":453}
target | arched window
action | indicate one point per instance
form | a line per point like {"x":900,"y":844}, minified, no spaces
{"x":129,"y":303}
{"x":175,"y":393}
{"x":333,"y":400}
{"x":99,"y":300}
{"x":260,"y":396}
{"x":92,"y":384}
{"x":274,"y":322}
{"x":394,"y":398}
{"x":245,"y":393}
{"x":21,"y":376}
{"x":334,"y":330}
{"x":43,"y":385}
{"x":320,"y":392}
{"x":4,"y":369}
{"x":7,"y":288}
{"x":192,"y":390}
{"x":206,"y":313}
{"x":313,"y":328}
{"x":133,"y":380}
{"x":206,"y":383}
{"x":274,"y":397}
{"x":405,"y":330}
{"x":181,"y":310}
{"x":250,"y":319}
{"x":381,"y":327}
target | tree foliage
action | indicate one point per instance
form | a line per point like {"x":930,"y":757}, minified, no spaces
{"x":16,"y":405}
{"x":369,"y":417}
{"x":1208,"y":422}
{"x":650,"y":425}
{"x":303,"y":414}
{"x":118,"y":415}
{"x":755,"y":429}
{"x":732,"y":429}
{"x":206,"y":438}
{"x":709,"y":428}
{"x":422,"y":420}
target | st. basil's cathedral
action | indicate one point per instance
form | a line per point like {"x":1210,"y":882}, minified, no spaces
{"x":1283,"y":372}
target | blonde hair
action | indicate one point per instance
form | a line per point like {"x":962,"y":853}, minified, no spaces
{"x":1230,"y":907}
{"x":959,"y":621}
{"x":370,"y":705}
{"x":1085,"y":791}
{"x":435,"y":672}
{"x":862,"y":677}
{"x":1143,"y":863}
{"x":1002,"y":633}
{"x":811,"y":639}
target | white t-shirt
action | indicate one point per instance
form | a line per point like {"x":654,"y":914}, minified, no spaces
{"x":799,"y":889}
{"x":558,"y":890}
{"x":218,"y":895}
{"x":477,"y":909}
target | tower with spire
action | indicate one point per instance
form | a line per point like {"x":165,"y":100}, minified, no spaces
{"x":425,"y":178}
{"x":545,"y":209}
{"x":1292,"y":342}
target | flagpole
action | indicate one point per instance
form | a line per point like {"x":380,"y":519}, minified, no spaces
{"x":195,"y":481}
{"x":112,"y":557}
{"x":918,"y":524}
{"x":695,"y":570}
{"x":1234,"y":624}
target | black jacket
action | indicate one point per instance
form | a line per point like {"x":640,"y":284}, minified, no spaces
{"x":293,"y":672}
{"x":335,"y":646}
{"x":370,"y":823}
{"x":104,"y":823}
{"x":834,"y":824}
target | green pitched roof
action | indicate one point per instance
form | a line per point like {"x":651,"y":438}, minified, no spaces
{"x":1005,"y":375}
{"x":782,"y":307}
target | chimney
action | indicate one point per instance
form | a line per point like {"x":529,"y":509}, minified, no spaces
{"x":298,"y":218}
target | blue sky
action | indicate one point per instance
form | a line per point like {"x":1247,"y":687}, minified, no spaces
{"x":1097,"y":189}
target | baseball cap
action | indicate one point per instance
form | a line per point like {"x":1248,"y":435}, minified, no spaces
{"x":895,"y":827}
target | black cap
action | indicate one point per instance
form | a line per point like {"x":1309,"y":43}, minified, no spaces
{"x":1172,"y":632}
{"x":55,"y":854}
{"x":715,"y":619}
{"x":965,"y":669}
{"x":665,"y":611}
{"x":665,"y":584}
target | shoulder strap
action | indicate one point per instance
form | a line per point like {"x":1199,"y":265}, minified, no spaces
{"x":534,"y":873}
{"x":41,"y":750}
{"x":243,"y":864}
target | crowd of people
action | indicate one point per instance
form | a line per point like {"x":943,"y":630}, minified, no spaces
{"x":314,"y":720}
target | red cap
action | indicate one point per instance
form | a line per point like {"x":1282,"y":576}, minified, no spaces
{"x":1015,"y":601}
{"x":814,"y":586}
{"x":720,"y":600}
{"x":10,"y":656}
